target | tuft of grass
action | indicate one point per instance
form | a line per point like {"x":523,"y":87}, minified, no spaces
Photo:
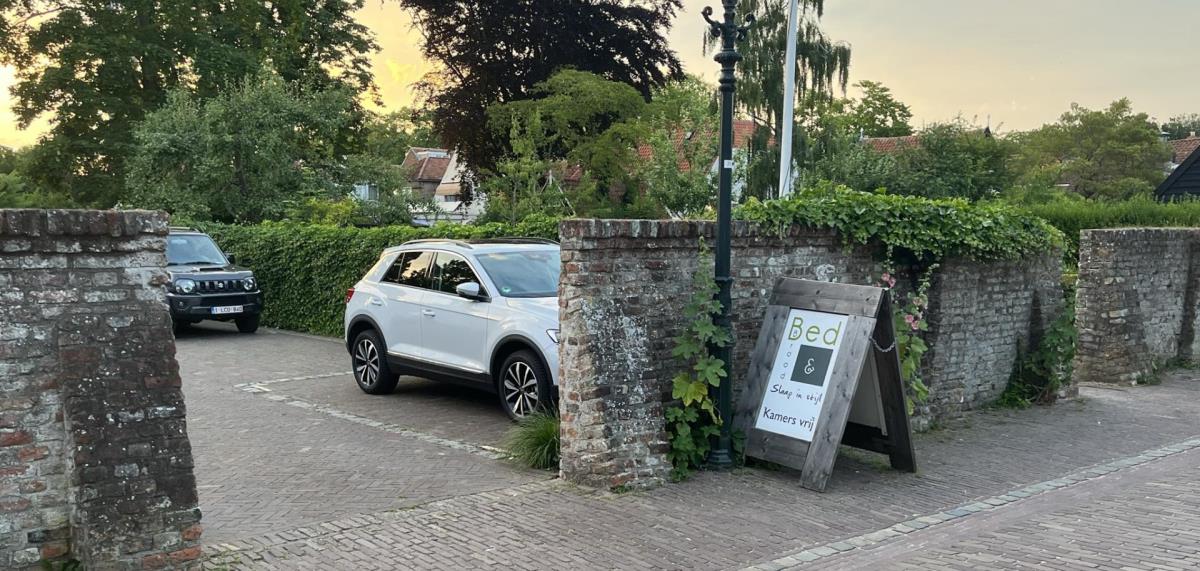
{"x":533,"y":441}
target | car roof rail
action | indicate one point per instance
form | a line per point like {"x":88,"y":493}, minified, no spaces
{"x":181,"y":229}
{"x":514,"y":240}
{"x":439,"y":241}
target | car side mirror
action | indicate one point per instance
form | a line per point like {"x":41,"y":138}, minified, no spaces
{"x":471,"y":291}
{"x":232,"y":258}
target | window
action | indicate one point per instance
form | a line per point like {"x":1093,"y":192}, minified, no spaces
{"x":193,"y":249}
{"x":524,"y":274}
{"x":411,"y":269}
{"x":450,"y":271}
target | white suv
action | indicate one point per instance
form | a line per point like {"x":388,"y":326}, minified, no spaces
{"x":483,"y":312}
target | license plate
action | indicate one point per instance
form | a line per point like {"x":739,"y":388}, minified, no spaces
{"x":227,"y":310}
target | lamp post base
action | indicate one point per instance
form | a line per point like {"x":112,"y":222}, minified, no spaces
{"x":720,"y":459}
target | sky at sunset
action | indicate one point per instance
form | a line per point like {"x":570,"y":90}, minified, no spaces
{"x":1020,"y":61}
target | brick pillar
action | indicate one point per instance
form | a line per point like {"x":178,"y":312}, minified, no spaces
{"x":94,"y":452}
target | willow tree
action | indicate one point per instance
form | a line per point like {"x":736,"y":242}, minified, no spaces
{"x":822,"y":67}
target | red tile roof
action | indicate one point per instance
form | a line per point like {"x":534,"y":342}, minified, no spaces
{"x":433,"y":169}
{"x":893,"y":144}
{"x":1183,"y":148}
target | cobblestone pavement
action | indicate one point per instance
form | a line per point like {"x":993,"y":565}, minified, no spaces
{"x":263,"y":466}
{"x":337,"y":505}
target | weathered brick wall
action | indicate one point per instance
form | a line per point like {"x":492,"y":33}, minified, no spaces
{"x":1136,"y":302}
{"x":94,"y":452}
{"x":624,"y":287}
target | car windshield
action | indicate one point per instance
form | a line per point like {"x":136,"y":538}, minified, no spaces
{"x":193,"y":249}
{"x":524,"y":274}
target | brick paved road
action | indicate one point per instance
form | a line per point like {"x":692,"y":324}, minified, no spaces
{"x":310,"y":474}
{"x":264,"y":466}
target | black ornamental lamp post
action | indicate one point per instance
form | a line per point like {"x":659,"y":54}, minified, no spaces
{"x":729,"y":32}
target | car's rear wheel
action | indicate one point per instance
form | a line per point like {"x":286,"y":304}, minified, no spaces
{"x":371,"y":370}
{"x":524,"y":385}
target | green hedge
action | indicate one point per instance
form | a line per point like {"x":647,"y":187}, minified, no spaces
{"x":305,"y":269}
{"x":1071,"y":217}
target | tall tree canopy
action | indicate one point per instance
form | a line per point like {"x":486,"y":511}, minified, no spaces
{"x":496,"y":51}
{"x":98,"y":66}
{"x":878,"y":114}
{"x":246,"y":154}
{"x":822,"y":66}
{"x":1112,"y":153}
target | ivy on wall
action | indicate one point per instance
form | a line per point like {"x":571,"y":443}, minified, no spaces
{"x":926,"y":229}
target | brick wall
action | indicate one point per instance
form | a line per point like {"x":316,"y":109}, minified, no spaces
{"x":624,"y":286}
{"x":1136,"y":302}
{"x":94,"y":452}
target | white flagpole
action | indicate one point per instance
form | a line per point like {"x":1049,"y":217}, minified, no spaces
{"x":789,"y":101}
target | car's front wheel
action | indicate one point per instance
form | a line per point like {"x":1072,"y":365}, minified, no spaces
{"x":371,"y":370}
{"x":524,"y":385}
{"x":247,"y":324}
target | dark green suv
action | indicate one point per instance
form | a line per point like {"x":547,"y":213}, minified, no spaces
{"x":205,"y":283}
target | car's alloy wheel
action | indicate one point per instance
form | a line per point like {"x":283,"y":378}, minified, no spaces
{"x":366,"y":363}
{"x":520,"y":387}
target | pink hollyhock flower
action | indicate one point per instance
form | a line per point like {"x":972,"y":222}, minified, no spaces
{"x":911,"y":320}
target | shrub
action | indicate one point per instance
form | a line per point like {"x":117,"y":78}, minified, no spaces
{"x":1072,"y":217}
{"x":533,"y":441}
{"x":305,"y":269}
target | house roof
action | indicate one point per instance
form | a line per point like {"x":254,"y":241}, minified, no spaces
{"x":426,"y":164}
{"x":1183,"y":148}
{"x":893,"y":144}
{"x":1184,"y":180}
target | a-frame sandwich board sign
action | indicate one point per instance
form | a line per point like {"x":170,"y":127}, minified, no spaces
{"x":825,"y":371}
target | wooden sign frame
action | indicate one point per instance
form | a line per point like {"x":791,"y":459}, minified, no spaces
{"x":868,"y":316}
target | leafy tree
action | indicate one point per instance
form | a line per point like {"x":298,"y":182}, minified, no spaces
{"x":497,"y":51}
{"x":525,"y":183}
{"x":822,"y":66}
{"x":680,"y":129}
{"x":878,"y":114}
{"x":98,"y":66}
{"x":391,"y":135}
{"x":247,"y":153}
{"x":584,"y":120}
{"x":1113,"y":153}
{"x":954,"y":160}
{"x":17,"y":190}
{"x":1182,"y":126}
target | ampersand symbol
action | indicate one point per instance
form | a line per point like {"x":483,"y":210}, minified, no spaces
{"x":809,"y":368}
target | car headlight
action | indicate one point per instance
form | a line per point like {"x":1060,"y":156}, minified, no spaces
{"x":185,"y":286}
{"x":250,"y":284}
{"x":553,"y":333}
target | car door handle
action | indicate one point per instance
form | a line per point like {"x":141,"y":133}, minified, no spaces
{"x":375,"y":301}
{"x":428,"y":313}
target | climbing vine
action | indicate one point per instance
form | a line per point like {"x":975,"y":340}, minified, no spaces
{"x":909,"y":322}
{"x":694,"y":420}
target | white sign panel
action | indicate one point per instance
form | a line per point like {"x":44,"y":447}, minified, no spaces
{"x":800,"y":375}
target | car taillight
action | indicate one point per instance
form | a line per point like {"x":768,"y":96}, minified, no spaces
{"x":349,"y":294}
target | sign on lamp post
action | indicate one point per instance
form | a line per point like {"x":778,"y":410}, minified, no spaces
{"x":729,"y":32}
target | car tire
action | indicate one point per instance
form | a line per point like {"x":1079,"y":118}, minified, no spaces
{"x":523,"y":385}
{"x":180,"y":325}
{"x":247,"y":324}
{"x":371,"y":370}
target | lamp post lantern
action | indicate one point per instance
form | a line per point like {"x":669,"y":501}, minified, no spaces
{"x":729,"y":32}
